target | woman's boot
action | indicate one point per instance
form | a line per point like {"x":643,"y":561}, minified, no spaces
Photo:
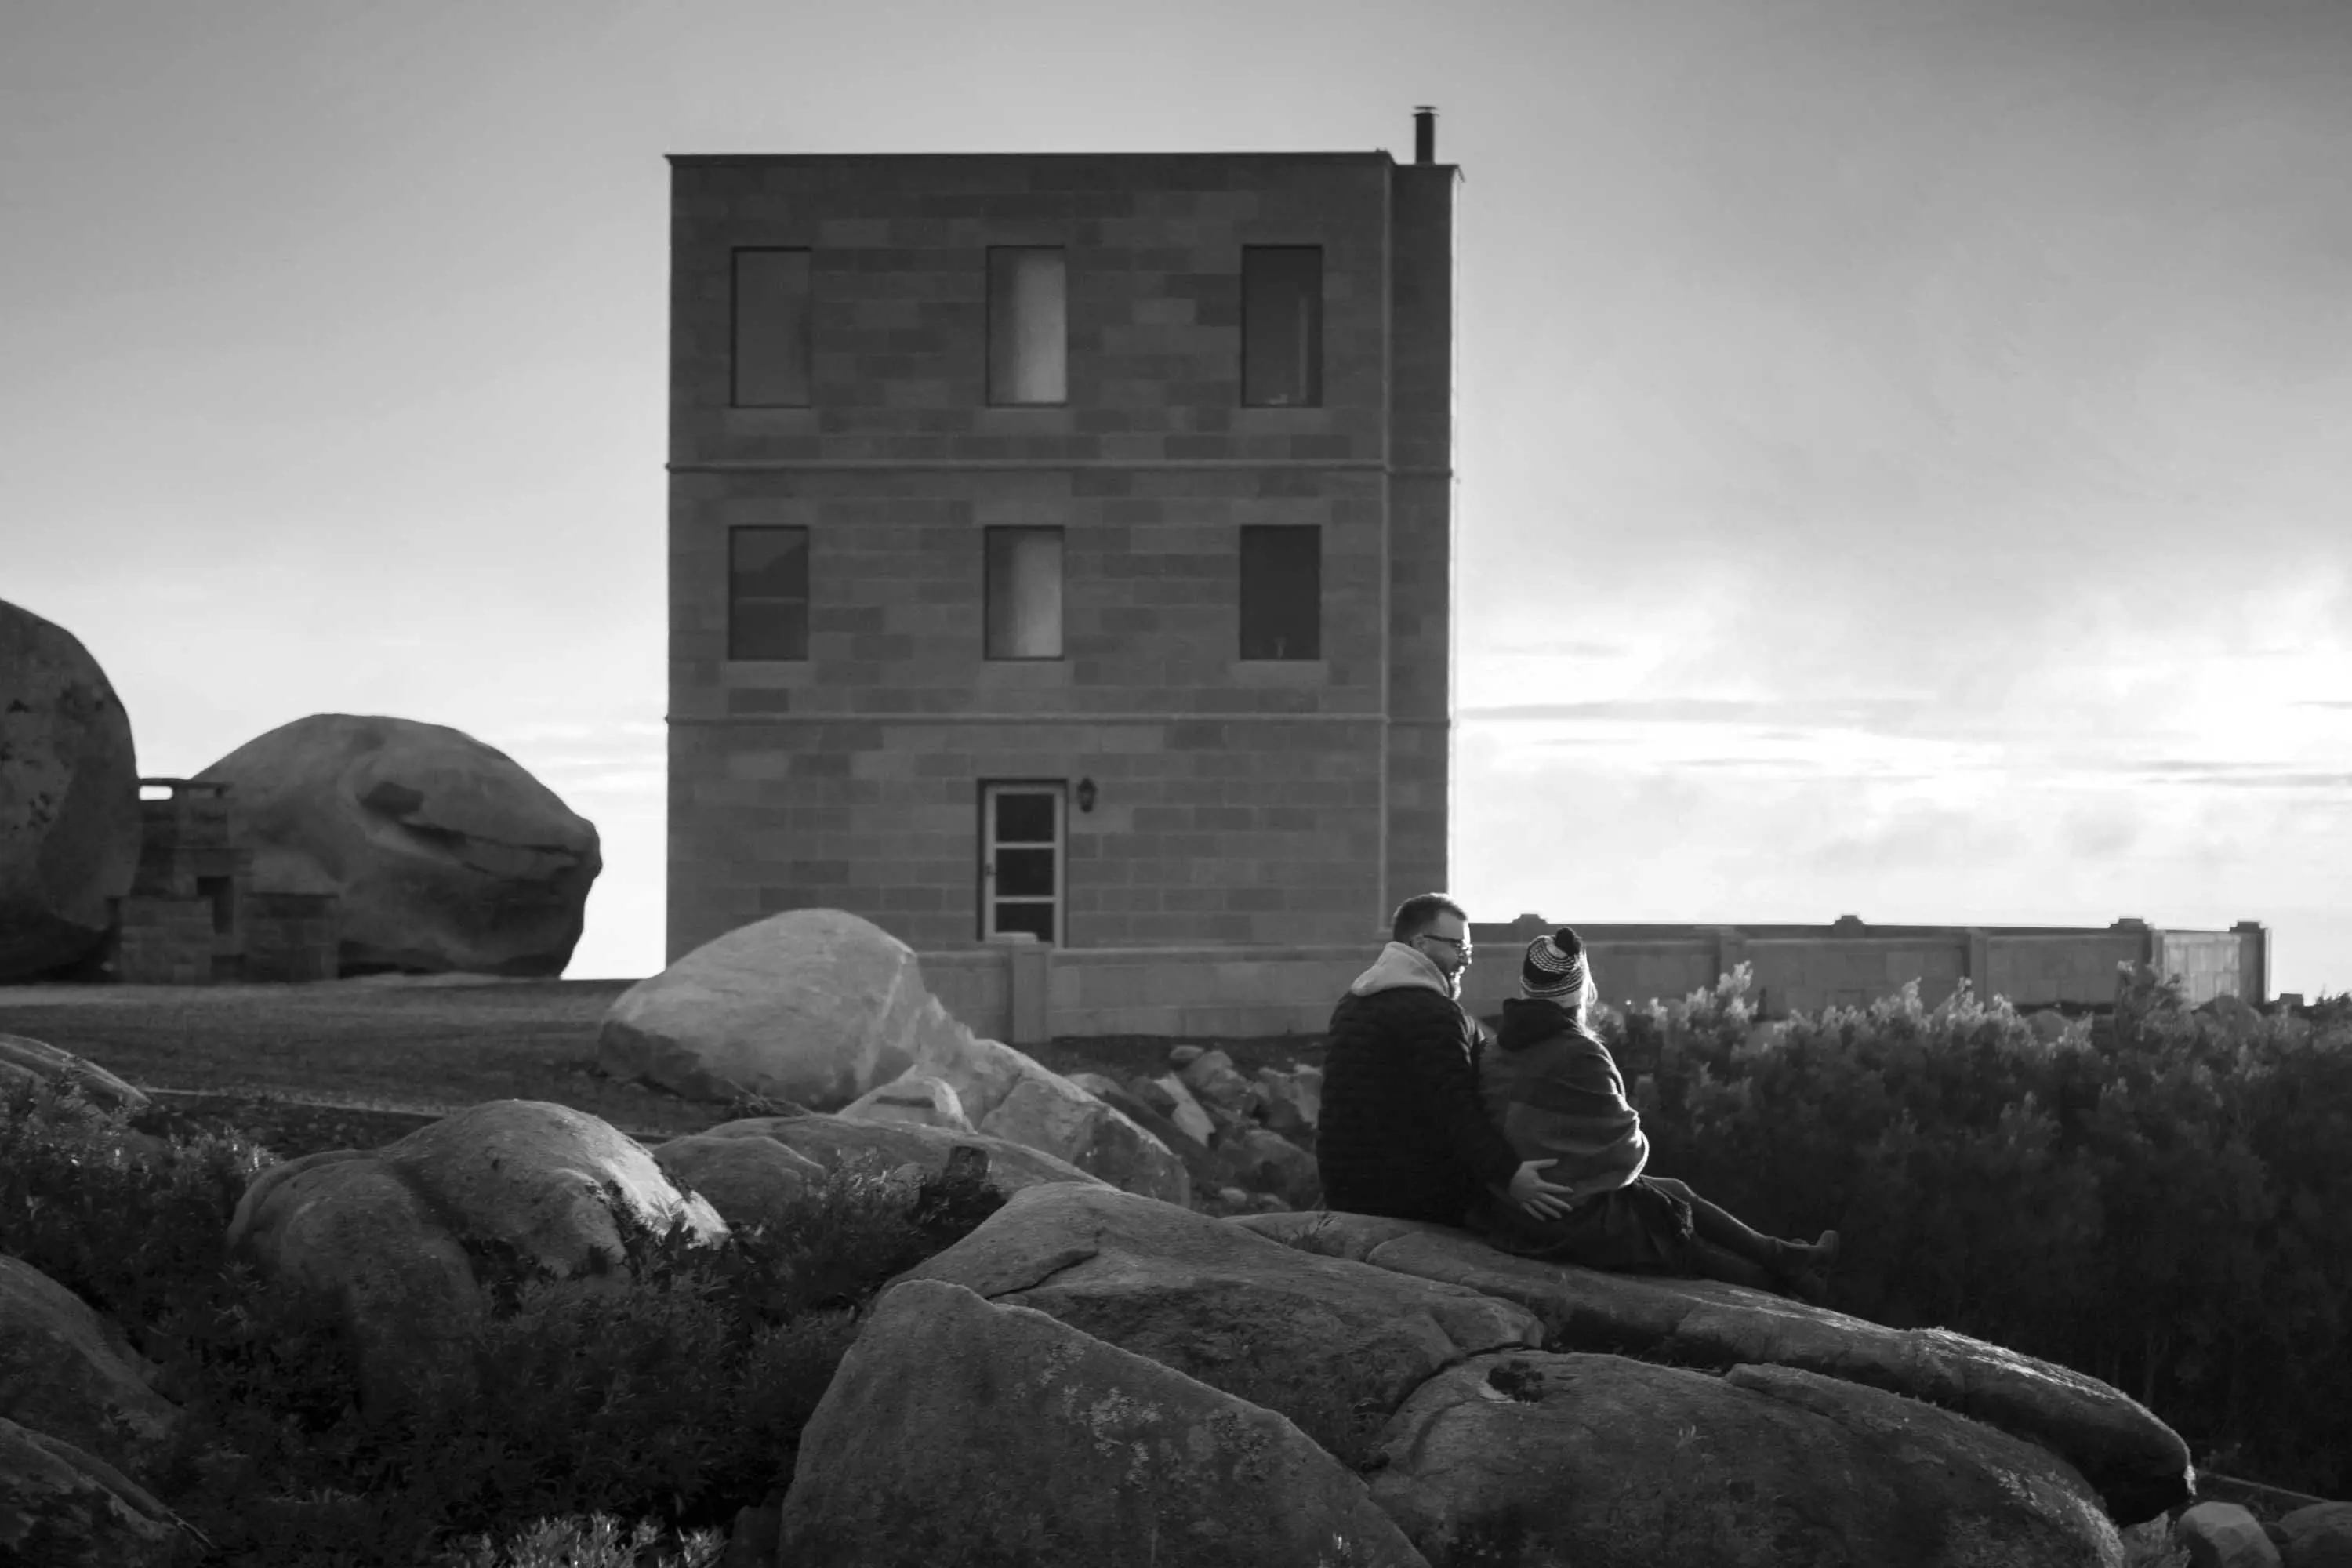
{"x":1803,"y":1269}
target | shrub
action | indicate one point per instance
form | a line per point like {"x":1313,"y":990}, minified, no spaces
{"x":675,"y":1403}
{"x":2162,"y":1201}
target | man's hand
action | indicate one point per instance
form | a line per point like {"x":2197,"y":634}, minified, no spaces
{"x":1538,"y":1196}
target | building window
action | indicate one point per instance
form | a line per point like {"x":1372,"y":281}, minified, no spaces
{"x":767,"y":594}
{"x":1282,"y":592}
{"x":772,"y":328}
{"x":1282,"y":326}
{"x":1025,"y":593}
{"x":1028,"y":325}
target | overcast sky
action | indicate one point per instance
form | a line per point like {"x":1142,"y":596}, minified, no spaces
{"x":1906,"y":448}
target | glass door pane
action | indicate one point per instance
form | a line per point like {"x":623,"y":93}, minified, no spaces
{"x":1021,"y":860}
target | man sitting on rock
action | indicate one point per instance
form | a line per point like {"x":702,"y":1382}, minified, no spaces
{"x":1403,"y":1132}
{"x":1554,"y":1090}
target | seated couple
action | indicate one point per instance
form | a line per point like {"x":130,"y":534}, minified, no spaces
{"x":1421,"y":1120}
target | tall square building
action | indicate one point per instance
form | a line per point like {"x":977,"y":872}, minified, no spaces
{"x":1061,"y":544}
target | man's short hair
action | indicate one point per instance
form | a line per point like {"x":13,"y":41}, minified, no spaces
{"x":1418,"y":913}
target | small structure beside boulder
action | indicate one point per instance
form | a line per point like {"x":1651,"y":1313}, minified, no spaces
{"x":194,"y":917}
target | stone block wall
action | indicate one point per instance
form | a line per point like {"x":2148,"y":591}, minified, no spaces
{"x":164,"y":942}
{"x":1238,"y":802}
{"x":291,"y":936}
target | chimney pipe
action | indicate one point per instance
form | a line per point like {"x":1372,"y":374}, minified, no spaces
{"x":1424,"y":134}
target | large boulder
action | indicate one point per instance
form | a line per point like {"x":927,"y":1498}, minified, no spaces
{"x":815,"y":1006}
{"x":2139,"y":1465}
{"x":68,"y":798}
{"x":956,"y":1431}
{"x":2318,"y":1536}
{"x":1608,"y":1462}
{"x":1332,"y":1346}
{"x":70,"y":1374}
{"x":443,"y":853}
{"x":380,"y":1233}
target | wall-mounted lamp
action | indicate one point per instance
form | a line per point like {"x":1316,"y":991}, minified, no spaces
{"x":1086,"y":795}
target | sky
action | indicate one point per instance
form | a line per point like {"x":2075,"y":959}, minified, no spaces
{"x":1906,"y":448}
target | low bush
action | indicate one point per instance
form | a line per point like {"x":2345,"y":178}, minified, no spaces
{"x":2161,"y":1200}
{"x":673,"y":1403}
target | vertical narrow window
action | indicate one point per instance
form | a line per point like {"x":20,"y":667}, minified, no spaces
{"x":1025,"y":593}
{"x":1028,"y":325}
{"x":1282,"y":592}
{"x":1282,"y":326}
{"x":767,"y":594}
{"x":772,"y":328}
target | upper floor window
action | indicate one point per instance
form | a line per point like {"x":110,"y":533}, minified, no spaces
{"x":1028,"y":324}
{"x":1025,"y":593}
{"x":767,"y":593}
{"x":1282,"y":591}
{"x":771,"y":345}
{"x":1282,"y":326}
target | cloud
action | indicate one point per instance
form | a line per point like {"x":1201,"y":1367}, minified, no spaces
{"x":1543,"y":647}
{"x":1863,"y":713}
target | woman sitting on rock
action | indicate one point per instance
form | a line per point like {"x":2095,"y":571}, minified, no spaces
{"x":1555,"y":1090}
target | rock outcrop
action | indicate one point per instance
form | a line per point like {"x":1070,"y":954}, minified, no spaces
{"x":746,"y":1167}
{"x":71,"y":1375}
{"x":380,"y":1232}
{"x":1604,"y":1459}
{"x":68,"y":798}
{"x":2139,"y":1465}
{"x":1095,"y":1375}
{"x":814,"y":1006}
{"x":24,"y":1060}
{"x":1014,"y":1096}
{"x":828,"y":1010}
{"x":914,"y":1097}
{"x":2318,"y":1536}
{"x":62,"y":1506}
{"x":443,"y":853}
{"x":2224,"y":1535}
{"x":960,"y":1431}
{"x":1327,"y":1344}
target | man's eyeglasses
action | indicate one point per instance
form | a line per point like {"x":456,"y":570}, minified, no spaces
{"x":1460,"y":944}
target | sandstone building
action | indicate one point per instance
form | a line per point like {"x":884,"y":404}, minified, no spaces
{"x":1060,"y":544}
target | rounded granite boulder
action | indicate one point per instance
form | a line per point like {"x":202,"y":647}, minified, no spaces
{"x":443,"y":853}
{"x":69,"y":798}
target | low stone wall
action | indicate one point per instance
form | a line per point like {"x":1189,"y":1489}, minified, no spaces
{"x":1802,"y":969}
{"x":1024,"y":993}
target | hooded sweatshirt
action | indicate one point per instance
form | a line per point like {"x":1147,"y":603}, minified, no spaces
{"x":1557,"y":1094}
{"x":1402,"y":1133}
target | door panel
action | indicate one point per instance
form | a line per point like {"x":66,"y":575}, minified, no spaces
{"x":1022,"y":864}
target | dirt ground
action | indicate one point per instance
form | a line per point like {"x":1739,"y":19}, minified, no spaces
{"x":356,"y":1063}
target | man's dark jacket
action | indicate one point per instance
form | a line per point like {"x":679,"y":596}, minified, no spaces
{"x":1403,"y":1132}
